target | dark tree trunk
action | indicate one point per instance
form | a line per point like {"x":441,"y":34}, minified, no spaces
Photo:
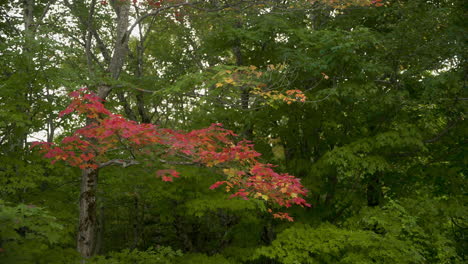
{"x":332,"y":182}
{"x":374,"y":191}
{"x":100,"y":231}
{"x":88,"y":221}
{"x":136,"y":223}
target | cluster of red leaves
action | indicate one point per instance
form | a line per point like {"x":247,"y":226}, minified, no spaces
{"x":377,"y":2}
{"x":294,"y":96}
{"x":246,"y":177}
{"x":164,"y":174}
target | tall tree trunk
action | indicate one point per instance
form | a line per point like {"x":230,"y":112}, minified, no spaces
{"x":136,"y":222}
{"x":88,"y":224}
{"x":100,"y":230}
{"x":88,"y":221}
{"x":332,"y":182}
{"x":245,"y":90}
{"x":28,"y":8}
{"x":374,"y":191}
{"x":29,"y":36}
{"x":140,"y":50}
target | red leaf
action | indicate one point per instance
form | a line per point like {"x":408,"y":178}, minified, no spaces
{"x":217,"y":184}
{"x":167,"y":179}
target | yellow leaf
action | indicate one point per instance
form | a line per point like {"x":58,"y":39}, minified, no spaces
{"x":229,"y":80}
{"x":230,"y":172}
{"x":265,"y":197}
{"x":293,"y":195}
{"x":219,"y":85}
{"x":252,"y":67}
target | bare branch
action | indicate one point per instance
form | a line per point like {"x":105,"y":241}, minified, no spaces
{"x":100,"y":44}
{"x":121,"y":162}
{"x":443,"y":132}
{"x":178,"y":162}
{"x":44,"y":13}
{"x":128,"y":163}
{"x":156,"y":12}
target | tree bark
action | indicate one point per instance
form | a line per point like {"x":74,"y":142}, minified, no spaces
{"x":100,"y":230}
{"x":88,"y":224}
{"x":88,"y":221}
{"x":28,"y":8}
{"x":121,"y":41}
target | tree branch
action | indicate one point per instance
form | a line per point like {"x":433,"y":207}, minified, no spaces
{"x":178,"y":162}
{"x":445,"y":131}
{"x":89,"y":38}
{"x":44,"y":13}
{"x":103,"y":48}
{"x":128,"y":163}
{"x":156,"y":12}
{"x":121,"y":162}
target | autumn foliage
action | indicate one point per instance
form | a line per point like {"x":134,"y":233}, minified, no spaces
{"x":107,"y":135}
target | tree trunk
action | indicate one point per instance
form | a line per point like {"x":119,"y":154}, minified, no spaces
{"x":100,"y":231}
{"x":374,"y":191}
{"x":121,"y":40}
{"x":28,"y":8}
{"x":332,"y":182}
{"x":247,"y":132}
{"x":136,"y":223}
{"x":88,"y":222}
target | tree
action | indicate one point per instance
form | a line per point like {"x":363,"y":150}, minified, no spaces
{"x":89,"y":147}
{"x":113,"y":66}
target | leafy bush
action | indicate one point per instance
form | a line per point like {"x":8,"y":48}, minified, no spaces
{"x":160,"y":255}
{"x":29,"y":234}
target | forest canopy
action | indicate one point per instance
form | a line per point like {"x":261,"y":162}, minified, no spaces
{"x":233,"y":131}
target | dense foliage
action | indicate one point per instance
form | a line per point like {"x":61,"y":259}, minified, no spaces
{"x":363,"y":101}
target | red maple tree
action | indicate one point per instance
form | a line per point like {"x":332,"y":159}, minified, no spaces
{"x":110,"y":135}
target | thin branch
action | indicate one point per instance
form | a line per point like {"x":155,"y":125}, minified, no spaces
{"x":156,"y":12}
{"x":83,"y":43}
{"x":121,"y":162}
{"x":178,"y":162}
{"x":104,"y":51}
{"x":99,"y":42}
{"x":445,"y":131}
{"x":128,"y":163}
{"x":316,"y":101}
{"x":7,"y":18}
{"x":44,"y":13}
